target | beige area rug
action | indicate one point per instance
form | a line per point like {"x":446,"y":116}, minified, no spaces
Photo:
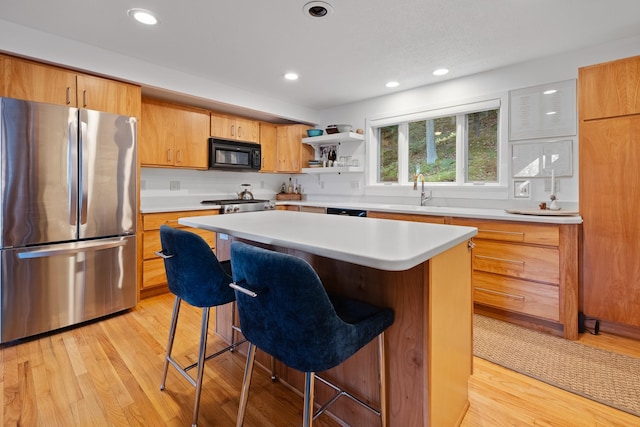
{"x":609,"y":378}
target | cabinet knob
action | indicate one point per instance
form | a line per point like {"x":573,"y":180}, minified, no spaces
{"x":84,"y":98}
{"x":233,"y":130}
{"x":169,"y":155}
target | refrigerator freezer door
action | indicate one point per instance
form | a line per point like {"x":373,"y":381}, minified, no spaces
{"x":37,"y":152}
{"x":52,"y":286}
{"x":107,"y":174}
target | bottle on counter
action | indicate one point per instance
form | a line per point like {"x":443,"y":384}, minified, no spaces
{"x":290,"y":188}
{"x":283,"y":189}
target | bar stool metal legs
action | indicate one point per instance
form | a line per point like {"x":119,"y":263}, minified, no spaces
{"x":309,"y":389}
{"x":202,"y":358}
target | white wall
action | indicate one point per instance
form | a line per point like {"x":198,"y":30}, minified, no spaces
{"x":548,"y":70}
{"x":193,"y":186}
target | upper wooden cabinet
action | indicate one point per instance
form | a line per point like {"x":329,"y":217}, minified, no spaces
{"x":173,"y":135}
{"x":33,"y":81}
{"x":232,"y":127}
{"x":290,"y":152}
{"x":268,"y":143}
{"x":95,"y":93}
{"x":610,"y":89}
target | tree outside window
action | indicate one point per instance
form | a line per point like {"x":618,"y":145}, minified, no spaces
{"x":456,"y":149}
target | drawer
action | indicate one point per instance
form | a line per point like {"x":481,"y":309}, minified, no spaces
{"x":521,"y":261}
{"x":151,"y":241}
{"x":406,"y":217}
{"x":521,"y":296}
{"x":153,"y":273}
{"x":313,"y":209}
{"x":153,"y":221}
{"x":538,"y":234}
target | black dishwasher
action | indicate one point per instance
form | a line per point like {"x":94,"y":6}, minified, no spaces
{"x":349,"y":212}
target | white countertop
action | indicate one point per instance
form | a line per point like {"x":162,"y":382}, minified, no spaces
{"x":169,"y":204}
{"x":498,"y":214}
{"x":378,"y":243}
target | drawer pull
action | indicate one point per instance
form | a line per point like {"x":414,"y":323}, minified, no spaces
{"x":509,"y":261}
{"x":502,"y":294}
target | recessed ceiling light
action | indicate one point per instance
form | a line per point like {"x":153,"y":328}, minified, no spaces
{"x":143,"y":16}
{"x":551,"y":113}
{"x":317,"y":9}
{"x":440,"y":72}
{"x":549,"y":92}
{"x":291,"y":76}
{"x":392,"y":84}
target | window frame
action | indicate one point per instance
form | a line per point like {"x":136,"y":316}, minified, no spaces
{"x":458,"y":189}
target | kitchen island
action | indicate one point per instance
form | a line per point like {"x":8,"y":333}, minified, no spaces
{"x":422,"y":271}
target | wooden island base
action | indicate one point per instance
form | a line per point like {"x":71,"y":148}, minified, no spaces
{"x":428,"y":348}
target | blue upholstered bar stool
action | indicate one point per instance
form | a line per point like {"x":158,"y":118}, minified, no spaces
{"x":285,"y":311}
{"x":195,"y":276}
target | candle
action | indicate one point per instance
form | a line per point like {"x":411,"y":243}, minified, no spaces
{"x":553,"y":181}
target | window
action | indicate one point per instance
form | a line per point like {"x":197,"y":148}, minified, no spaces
{"x":454,"y":146}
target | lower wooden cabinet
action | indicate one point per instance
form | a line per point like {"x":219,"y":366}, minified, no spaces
{"x":524,"y":273}
{"x":154,"y":279}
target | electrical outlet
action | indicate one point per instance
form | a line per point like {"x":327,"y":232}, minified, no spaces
{"x":522,"y":189}
{"x":174,"y":185}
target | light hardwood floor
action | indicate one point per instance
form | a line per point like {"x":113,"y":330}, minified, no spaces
{"x":107,"y":373}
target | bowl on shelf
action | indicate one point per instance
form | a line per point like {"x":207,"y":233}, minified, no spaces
{"x":338,"y":128}
{"x":314,"y":132}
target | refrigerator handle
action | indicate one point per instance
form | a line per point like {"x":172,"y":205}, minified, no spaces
{"x":84,"y":172}
{"x":71,"y":249}
{"x":72,"y":171}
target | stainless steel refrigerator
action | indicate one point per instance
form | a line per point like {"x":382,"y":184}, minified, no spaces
{"x":68,"y":205}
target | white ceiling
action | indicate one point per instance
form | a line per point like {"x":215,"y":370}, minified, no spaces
{"x":345,"y":57}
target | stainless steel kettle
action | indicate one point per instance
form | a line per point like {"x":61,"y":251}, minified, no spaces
{"x":245,"y":192}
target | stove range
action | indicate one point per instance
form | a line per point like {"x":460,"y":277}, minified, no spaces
{"x":241,"y":205}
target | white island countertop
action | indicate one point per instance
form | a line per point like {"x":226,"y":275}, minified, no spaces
{"x":377,"y":243}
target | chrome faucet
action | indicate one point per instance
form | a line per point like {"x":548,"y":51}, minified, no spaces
{"x":423,"y":196}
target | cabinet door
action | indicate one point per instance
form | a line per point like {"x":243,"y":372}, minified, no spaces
{"x":173,"y":135}
{"x":191,"y":131}
{"x":223,"y":126}
{"x":609,"y":90}
{"x":32,"y":81}
{"x":155,"y":135}
{"x":268,"y":147}
{"x":290,"y":153}
{"x":247,"y":130}
{"x":96,"y":93}
{"x":609,"y":205}
{"x":288,"y":149}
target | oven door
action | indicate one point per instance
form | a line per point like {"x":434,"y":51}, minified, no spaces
{"x":233,"y":155}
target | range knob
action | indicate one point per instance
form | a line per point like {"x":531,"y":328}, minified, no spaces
{"x":236,"y":208}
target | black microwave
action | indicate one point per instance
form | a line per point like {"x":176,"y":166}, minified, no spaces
{"x":234,"y":155}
